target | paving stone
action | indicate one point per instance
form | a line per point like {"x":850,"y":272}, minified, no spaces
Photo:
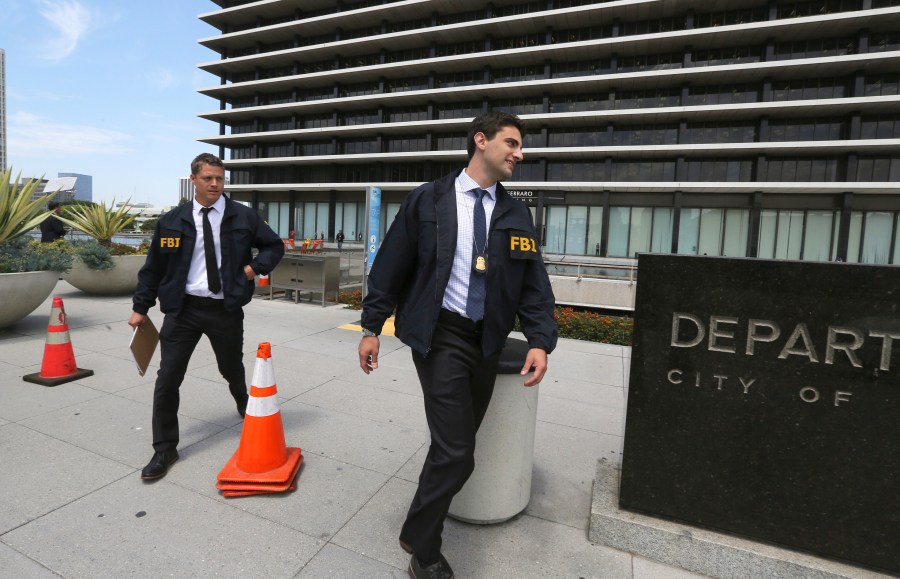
{"x":380,"y":405}
{"x":372,"y":445}
{"x":328,"y":492}
{"x":133,"y":529}
{"x":114,"y":427}
{"x":339,"y":563}
{"x":15,"y":564}
{"x":41,"y":474}
{"x":21,"y":399}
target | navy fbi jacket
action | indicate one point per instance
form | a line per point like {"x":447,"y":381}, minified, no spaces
{"x":412,"y":270}
{"x":165,"y":272}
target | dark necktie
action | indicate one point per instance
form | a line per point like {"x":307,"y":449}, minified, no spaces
{"x":209,"y":249}
{"x":477,"y":291}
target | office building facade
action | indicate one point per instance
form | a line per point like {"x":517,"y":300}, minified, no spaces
{"x":186,"y":189}
{"x":742,"y":128}
{"x":84,"y":186}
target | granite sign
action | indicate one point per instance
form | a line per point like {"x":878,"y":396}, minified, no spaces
{"x":765,"y":401}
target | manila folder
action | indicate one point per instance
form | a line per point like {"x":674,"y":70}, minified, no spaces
{"x":143,"y":344}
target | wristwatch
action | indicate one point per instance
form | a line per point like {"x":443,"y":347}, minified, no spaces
{"x":366,"y":332}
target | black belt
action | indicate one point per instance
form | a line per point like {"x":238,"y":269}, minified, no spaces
{"x":460,"y":321}
{"x":199,"y":302}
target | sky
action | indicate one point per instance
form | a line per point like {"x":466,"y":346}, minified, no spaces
{"x":109,"y":89}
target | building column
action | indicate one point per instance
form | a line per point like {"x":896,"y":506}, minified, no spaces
{"x":844,"y":227}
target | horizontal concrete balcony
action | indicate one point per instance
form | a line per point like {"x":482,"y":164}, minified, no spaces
{"x":711,"y":187}
{"x":724,"y":74}
{"x":739,"y":35}
{"x":706,"y":113}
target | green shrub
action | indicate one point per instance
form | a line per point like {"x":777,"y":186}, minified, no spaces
{"x":93,"y":254}
{"x":22,"y":255}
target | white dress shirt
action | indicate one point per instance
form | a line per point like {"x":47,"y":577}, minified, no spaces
{"x":458,"y":288}
{"x":196,"y":281}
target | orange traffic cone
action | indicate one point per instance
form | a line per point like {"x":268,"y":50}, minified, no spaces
{"x":262,"y":463}
{"x":58,"y":365}
{"x":263,"y":281}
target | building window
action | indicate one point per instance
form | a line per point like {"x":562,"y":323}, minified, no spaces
{"x":886,"y":127}
{"x":719,"y":133}
{"x":576,"y":103}
{"x":360,"y":118}
{"x":793,"y":234}
{"x":349,"y":217}
{"x":810,"y":89}
{"x":634,"y":230}
{"x":634,"y":135}
{"x":573,"y":230}
{"x":720,"y":95}
{"x":714,"y":231}
{"x":878,"y":169}
{"x":787,"y":170}
{"x":406,"y":144}
{"x":312,"y":220}
{"x":807,"y":130}
{"x":719,"y":170}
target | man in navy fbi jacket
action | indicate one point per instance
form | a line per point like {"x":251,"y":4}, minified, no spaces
{"x":201,"y":268}
{"x":459,"y":262}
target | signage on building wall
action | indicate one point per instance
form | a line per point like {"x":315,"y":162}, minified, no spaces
{"x":530,"y":196}
{"x":764,"y":401}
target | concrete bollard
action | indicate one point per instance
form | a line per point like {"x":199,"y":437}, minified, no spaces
{"x":500,"y":487}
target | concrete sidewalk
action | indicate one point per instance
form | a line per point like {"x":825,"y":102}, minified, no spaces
{"x":72,"y":503}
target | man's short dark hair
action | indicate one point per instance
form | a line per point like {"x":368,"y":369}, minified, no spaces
{"x":490,"y":124}
{"x":52,"y":205}
{"x":205,"y":159}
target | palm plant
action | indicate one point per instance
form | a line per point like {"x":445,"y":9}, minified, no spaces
{"x":99,"y":221}
{"x":19,"y":214}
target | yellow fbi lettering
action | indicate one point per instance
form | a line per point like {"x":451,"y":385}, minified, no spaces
{"x":522,"y":243}
{"x":169,"y":242}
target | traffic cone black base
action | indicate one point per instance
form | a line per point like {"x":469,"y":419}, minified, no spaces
{"x":78,"y":375}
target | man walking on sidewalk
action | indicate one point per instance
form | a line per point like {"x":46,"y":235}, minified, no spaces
{"x":201,"y":268}
{"x":459,"y":263}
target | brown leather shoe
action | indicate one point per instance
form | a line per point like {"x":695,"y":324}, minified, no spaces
{"x":439,"y":570}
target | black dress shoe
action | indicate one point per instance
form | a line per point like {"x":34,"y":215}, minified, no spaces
{"x":439,"y":570}
{"x":159,"y":464}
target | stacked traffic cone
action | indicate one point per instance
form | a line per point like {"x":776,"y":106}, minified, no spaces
{"x":58,"y":365}
{"x":262,"y":464}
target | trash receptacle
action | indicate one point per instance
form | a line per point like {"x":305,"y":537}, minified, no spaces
{"x":500,"y":486}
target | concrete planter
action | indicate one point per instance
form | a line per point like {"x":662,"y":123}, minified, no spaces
{"x":23,"y":292}
{"x":120,"y":280}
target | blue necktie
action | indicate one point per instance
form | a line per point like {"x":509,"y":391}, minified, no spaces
{"x":477,"y":291}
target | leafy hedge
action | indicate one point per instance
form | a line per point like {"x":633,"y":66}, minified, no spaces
{"x":571,"y":323}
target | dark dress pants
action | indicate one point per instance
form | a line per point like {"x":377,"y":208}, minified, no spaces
{"x":457,"y":383}
{"x":177,"y":339}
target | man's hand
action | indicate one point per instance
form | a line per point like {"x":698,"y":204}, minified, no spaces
{"x":248,"y":271}
{"x":536,"y":360}
{"x":137,"y":320}
{"x":368,"y":353}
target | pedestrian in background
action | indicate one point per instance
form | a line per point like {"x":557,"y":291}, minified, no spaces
{"x":459,"y":263}
{"x":51,"y":227}
{"x":201,"y":268}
